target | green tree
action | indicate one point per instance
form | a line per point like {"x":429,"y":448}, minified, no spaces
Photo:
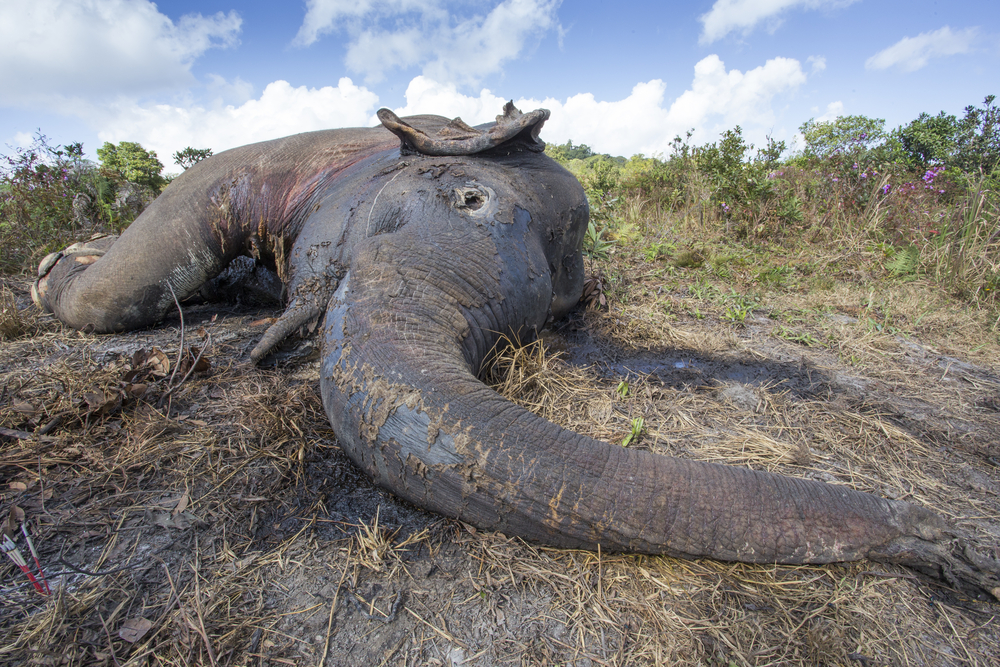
{"x":191,"y":156}
{"x":565,"y":152}
{"x":929,"y":139}
{"x":977,"y":141}
{"x":725,"y":164}
{"x":133,"y":163}
{"x":847,"y":135}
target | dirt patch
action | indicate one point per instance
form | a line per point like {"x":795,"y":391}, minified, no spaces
{"x":213,"y":520}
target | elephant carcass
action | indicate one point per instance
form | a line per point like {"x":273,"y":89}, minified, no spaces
{"x":420,"y":243}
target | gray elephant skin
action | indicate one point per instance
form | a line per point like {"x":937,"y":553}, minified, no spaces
{"x":421,"y":243}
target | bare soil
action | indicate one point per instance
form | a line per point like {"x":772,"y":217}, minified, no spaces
{"x":213,"y":520}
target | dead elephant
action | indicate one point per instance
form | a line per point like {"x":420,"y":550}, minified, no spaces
{"x":421,"y":243}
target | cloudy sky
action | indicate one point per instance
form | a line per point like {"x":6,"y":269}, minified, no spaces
{"x":623,"y":77}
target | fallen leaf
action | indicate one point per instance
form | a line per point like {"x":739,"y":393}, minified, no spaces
{"x":158,"y":362}
{"x":18,"y":486}
{"x":134,"y":629}
{"x":24,"y":408}
{"x":137,"y":389}
{"x":181,"y":504}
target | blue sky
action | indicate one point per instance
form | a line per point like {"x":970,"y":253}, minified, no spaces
{"x":623,"y":77}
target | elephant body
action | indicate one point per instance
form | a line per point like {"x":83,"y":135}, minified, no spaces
{"x":421,"y":244}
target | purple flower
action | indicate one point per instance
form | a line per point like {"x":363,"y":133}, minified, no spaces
{"x":836,"y":180}
{"x":886,"y":188}
{"x":865,"y":175}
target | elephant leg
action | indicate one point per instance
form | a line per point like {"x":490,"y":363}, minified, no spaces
{"x":117,"y":284}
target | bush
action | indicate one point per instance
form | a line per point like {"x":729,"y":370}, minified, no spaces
{"x":133,"y":164}
{"x":50,"y":194}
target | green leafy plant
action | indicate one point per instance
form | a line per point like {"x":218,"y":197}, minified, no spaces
{"x":801,"y":338}
{"x":739,"y":309}
{"x":594,"y":243}
{"x":658,"y":249}
{"x":903,"y":261}
{"x":638,"y":423}
{"x":133,"y":163}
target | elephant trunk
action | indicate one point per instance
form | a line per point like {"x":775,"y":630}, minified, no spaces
{"x":400,"y":389}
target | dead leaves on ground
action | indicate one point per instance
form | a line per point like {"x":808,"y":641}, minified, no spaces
{"x":593,"y":293}
{"x":49,"y":400}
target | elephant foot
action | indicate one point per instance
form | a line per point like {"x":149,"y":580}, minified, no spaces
{"x":80,"y":254}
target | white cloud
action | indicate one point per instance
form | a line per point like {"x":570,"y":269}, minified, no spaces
{"x":912,"y":53}
{"x":23,"y":139}
{"x":281,"y":110}
{"x":51,"y":50}
{"x":438,"y":35}
{"x":640,"y":123}
{"x":728,"y":16}
{"x":817,"y":63}
{"x":236,"y":92}
{"x":834,"y":110}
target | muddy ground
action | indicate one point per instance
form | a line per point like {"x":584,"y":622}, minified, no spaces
{"x":213,"y":520}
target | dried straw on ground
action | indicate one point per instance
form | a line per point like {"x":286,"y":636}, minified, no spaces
{"x":212,"y":520}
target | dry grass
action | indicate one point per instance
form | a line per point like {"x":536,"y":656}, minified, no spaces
{"x":222,"y":527}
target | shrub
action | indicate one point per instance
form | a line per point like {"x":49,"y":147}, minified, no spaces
{"x":49,"y":194}
{"x":133,"y":164}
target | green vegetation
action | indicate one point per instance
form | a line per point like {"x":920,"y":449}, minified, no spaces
{"x":917,"y":203}
{"x":191,"y":156}
{"x":132,"y":163}
{"x":51,"y":195}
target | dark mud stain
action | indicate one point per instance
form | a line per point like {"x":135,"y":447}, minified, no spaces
{"x":679,"y":368}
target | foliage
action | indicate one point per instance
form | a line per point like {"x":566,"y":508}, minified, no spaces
{"x":978,"y":139}
{"x":568,"y":151}
{"x":928,"y":140}
{"x":133,"y":163}
{"x":191,"y":156}
{"x":846,"y":135}
{"x":638,"y":423}
{"x":50,"y":195}
{"x":594,"y":243}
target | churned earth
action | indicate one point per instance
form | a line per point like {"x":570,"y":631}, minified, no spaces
{"x":189,"y":508}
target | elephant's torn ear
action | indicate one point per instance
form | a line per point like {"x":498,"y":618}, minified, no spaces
{"x":457,"y":138}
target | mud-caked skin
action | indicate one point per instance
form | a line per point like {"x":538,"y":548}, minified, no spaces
{"x":421,"y":243}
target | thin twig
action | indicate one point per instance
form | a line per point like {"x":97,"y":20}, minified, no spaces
{"x":205,"y":345}
{"x":111,"y":646}
{"x":180,"y":351}
{"x":372,"y":617}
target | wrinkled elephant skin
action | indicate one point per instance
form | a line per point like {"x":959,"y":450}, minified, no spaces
{"x":420,"y":244}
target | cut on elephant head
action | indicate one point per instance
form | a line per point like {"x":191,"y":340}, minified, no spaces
{"x":421,"y":244}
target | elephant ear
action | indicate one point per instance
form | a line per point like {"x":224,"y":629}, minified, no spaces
{"x":458,"y":138}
